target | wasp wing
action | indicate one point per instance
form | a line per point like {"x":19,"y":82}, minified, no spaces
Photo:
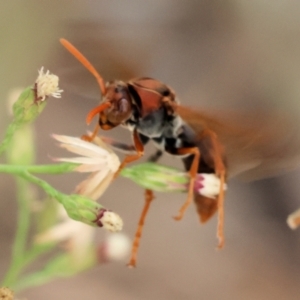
{"x":256,"y":145}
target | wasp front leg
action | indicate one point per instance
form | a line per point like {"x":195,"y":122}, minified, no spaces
{"x":139,"y":147}
{"x":91,"y":137}
{"x":119,"y":146}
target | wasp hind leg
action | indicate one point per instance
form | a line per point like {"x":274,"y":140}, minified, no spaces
{"x":138,"y":234}
{"x":193,"y":172}
{"x":215,"y":152}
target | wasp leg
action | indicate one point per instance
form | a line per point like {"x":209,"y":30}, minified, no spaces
{"x":90,"y":138}
{"x":155,"y":156}
{"x":118,"y":146}
{"x":216,"y":153}
{"x":130,"y":158}
{"x":220,"y":229}
{"x":193,"y":172}
{"x":136,"y":242}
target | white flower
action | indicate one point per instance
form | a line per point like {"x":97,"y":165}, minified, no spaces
{"x":98,"y":159}
{"x":103,"y":163}
{"x":47,"y":85}
{"x":76,"y":236}
{"x":208,"y":185}
{"x":293,"y":219}
{"x":115,"y":247}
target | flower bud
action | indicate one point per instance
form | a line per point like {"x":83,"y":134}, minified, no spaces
{"x":157,"y":177}
{"x":83,"y":209}
{"x":26,"y":109}
{"x":31,"y":101}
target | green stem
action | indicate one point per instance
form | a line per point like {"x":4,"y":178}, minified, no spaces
{"x":20,"y":258}
{"x":35,"y":251}
{"x":12,"y":128}
{"x":35,"y":279}
{"x":46,"y":169}
{"x":51,"y":191}
{"x":18,"y":251}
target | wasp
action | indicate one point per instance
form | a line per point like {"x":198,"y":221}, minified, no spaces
{"x":206,"y":144}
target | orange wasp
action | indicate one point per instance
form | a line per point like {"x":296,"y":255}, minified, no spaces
{"x":150,"y":110}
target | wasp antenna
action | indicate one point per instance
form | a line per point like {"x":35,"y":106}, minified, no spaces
{"x":96,"y":111}
{"x":85,"y":63}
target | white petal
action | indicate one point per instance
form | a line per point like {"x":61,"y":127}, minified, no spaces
{"x":114,"y":162}
{"x":89,"y":185}
{"x":98,"y":141}
{"x":100,"y":162}
{"x":79,"y":142}
{"x":59,"y":233}
{"x":88,"y":168}
{"x":102,"y":186}
{"x":98,"y":190}
{"x":84,"y":151}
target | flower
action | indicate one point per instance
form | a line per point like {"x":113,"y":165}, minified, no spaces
{"x":96,"y":158}
{"x":115,"y":247}
{"x":6,"y":293}
{"x":109,"y":220}
{"x":77,"y":236}
{"x":47,"y":85}
{"x":165,"y":179}
{"x":208,"y":185}
{"x":293,"y":219}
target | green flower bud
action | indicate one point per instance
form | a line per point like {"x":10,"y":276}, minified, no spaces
{"x":157,"y":177}
{"x":26,"y":109}
{"x":85,"y":210}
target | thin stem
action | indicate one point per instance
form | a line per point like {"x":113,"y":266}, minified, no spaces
{"x":12,"y":128}
{"x":46,"y":169}
{"x":52,"y":192}
{"x":18,"y":251}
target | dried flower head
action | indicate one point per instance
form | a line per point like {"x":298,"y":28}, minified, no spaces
{"x":109,"y":220}
{"x":6,"y":294}
{"x":47,"y":85}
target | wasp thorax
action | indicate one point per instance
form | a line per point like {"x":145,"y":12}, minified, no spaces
{"x":119,"y":111}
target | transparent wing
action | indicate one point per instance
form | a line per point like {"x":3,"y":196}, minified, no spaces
{"x":257,"y":144}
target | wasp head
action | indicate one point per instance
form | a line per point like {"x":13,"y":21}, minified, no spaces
{"x":116,"y":107}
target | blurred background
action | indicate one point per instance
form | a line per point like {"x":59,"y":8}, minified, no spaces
{"x":217,"y":55}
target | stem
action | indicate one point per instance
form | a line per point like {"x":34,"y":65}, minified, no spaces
{"x":51,"y":191}
{"x":46,"y":169}
{"x":34,"y":279}
{"x":18,"y":251}
{"x":12,"y":128}
{"x":23,"y":195}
